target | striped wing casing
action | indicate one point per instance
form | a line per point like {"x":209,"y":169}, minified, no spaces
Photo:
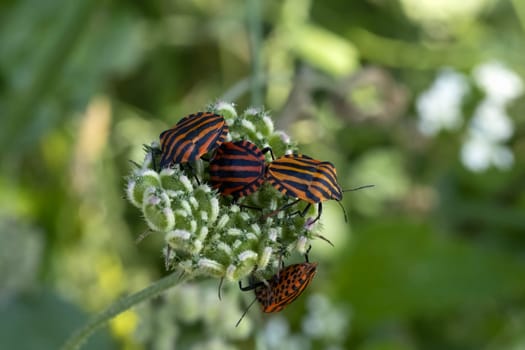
{"x":237,"y":169}
{"x":299,"y":176}
{"x":285,"y":287}
{"x":192,"y":137}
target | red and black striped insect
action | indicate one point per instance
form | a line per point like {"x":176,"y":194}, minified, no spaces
{"x":237,"y":169}
{"x":192,"y":137}
{"x":304,"y":178}
{"x":282,"y":288}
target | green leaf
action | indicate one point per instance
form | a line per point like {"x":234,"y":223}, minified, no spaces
{"x":399,"y":270}
{"x":42,"y":321}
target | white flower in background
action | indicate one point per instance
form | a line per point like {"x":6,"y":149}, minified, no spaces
{"x":501,"y":84}
{"x":491,"y":126}
{"x":477,"y":154}
{"x":326,"y":323}
{"x":276,"y":331}
{"x":325,"y":320}
{"x":491,"y":121}
{"x":488,"y":129}
{"x":277,"y":335}
{"x":439,"y":107}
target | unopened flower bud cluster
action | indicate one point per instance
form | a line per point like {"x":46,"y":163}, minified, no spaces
{"x":205,"y":233}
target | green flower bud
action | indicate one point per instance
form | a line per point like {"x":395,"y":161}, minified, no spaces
{"x":138,"y":184}
{"x":178,"y":240}
{"x":169,"y":180}
{"x":246,"y":262}
{"x":157,"y":210}
{"x":223,"y":253}
{"x":210,"y":268}
{"x":264,"y":258}
{"x":227,"y":110}
{"x":302,"y":244}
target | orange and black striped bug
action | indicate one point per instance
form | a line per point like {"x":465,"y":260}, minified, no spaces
{"x":304,"y":178}
{"x":282,"y":288}
{"x":237,"y":169}
{"x":192,"y":137}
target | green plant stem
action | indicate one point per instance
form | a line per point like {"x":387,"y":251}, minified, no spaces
{"x":398,"y":53}
{"x":519,"y":7}
{"x":255,"y":31}
{"x":121,"y":305}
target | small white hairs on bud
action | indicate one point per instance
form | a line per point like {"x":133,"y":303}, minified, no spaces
{"x":193,"y":226}
{"x":150,"y":174}
{"x":210,"y":267}
{"x":223,"y":221}
{"x":174,"y":194}
{"x":203,"y":233}
{"x":214,"y":209}
{"x":166,"y":172}
{"x":181,"y":212}
{"x":245,"y":216}
{"x":194,"y":203}
{"x":264,"y":258}
{"x":252,"y":111}
{"x":256,"y":229}
{"x":273,"y":233}
{"x":170,"y":218}
{"x":234,"y":232}
{"x":223,"y":106}
{"x":230,"y":272}
{"x":225,"y":248}
{"x":181,"y":234}
{"x":247,"y":254}
{"x":301,"y":244}
{"x":248,"y":125}
{"x":250,"y":236}
{"x":186,"y":206}
{"x":151,"y":197}
{"x":284,"y":137}
{"x":130,"y":189}
{"x":268,"y":122}
{"x":236,"y":244}
{"x":186,"y":183}
{"x":196,"y":246}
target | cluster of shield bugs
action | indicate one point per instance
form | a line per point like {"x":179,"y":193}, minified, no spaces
{"x":238,"y":169}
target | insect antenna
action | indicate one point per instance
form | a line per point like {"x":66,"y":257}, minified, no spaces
{"x":220,"y":286}
{"x":350,"y":190}
{"x":137,"y":165}
{"x":358,"y":188}
{"x":245,"y":312}
{"x":324,"y":239}
{"x":266,"y":150}
{"x":344,"y":211}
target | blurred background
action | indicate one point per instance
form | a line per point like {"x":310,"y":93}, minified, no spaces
{"x":424,"y":99}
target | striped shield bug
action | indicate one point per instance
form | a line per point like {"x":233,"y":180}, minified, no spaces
{"x":237,"y":169}
{"x":304,"y":178}
{"x":282,"y":288}
{"x":192,"y":137}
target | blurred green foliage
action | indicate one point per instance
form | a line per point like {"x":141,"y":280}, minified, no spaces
{"x":433,"y":257}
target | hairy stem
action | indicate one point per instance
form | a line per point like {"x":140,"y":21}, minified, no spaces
{"x":121,"y":305}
